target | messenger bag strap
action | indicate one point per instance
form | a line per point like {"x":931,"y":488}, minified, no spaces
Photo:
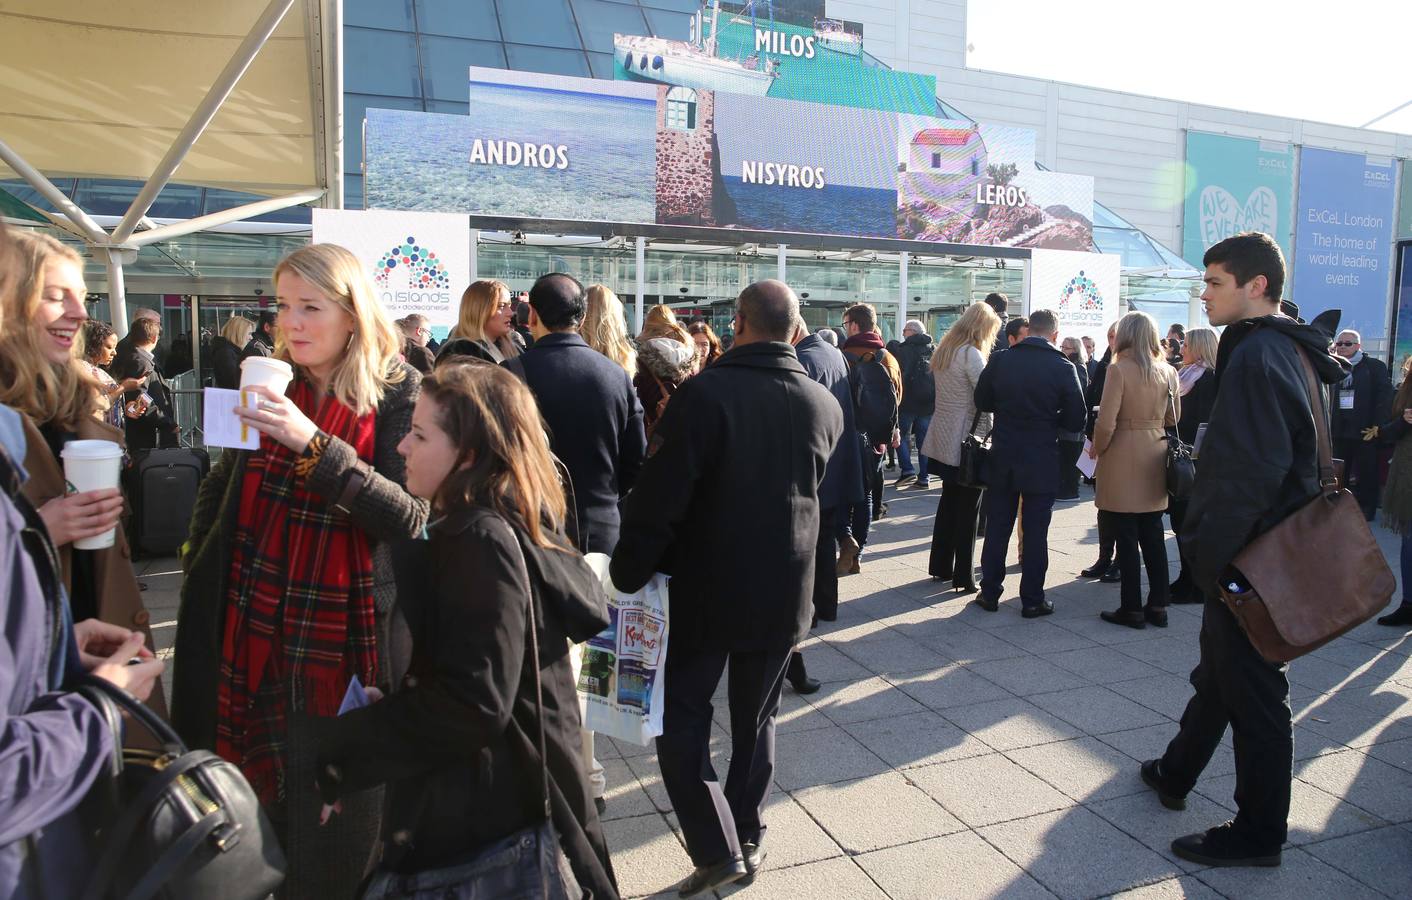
{"x":175,"y":856}
{"x":1327,"y":480}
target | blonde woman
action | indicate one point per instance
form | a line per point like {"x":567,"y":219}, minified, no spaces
{"x":1140,"y":401}
{"x":605,"y":328}
{"x":484,"y":327}
{"x":289,"y":586}
{"x":1197,"y":386}
{"x":43,"y":378}
{"x":226,"y":348}
{"x":956,"y":366}
{"x":660,"y":321}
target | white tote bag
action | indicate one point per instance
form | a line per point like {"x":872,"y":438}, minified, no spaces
{"x":620,"y":671}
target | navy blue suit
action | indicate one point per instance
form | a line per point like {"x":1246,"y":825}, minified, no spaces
{"x":1033,"y":390}
{"x":843,"y":478}
{"x":595,"y":428}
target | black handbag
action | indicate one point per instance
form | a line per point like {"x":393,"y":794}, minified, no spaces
{"x":975,"y":455}
{"x":527,"y":863}
{"x":1181,"y":467}
{"x":174,"y":823}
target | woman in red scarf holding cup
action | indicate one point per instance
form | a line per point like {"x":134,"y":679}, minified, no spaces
{"x":289,"y":593}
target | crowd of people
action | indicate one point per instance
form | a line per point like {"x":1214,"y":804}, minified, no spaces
{"x":417,"y":514}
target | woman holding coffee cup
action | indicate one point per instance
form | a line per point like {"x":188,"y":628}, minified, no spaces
{"x":43,"y":377}
{"x":289,"y":591}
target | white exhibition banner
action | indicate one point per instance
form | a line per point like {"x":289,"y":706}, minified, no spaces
{"x":419,"y":262}
{"x":1080,"y":288}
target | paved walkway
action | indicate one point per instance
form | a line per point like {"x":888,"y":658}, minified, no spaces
{"x":958,"y":753}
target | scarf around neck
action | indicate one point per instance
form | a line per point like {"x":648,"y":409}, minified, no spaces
{"x":1188,"y":376}
{"x":299,"y":618}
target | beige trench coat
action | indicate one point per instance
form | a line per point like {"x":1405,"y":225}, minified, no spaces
{"x":1128,"y":437}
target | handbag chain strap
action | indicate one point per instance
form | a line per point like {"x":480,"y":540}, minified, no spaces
{"x":1327,"y":481}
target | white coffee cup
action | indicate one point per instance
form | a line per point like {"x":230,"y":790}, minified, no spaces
{"x":93,"y":466}
{"x":265,"y":371}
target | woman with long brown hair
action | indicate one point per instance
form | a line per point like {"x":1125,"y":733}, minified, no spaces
{"x":459,"y":744}
{"x":43,"y":377}
{"x":708,"y":346}
{"x":289,"y":592}
{"x":484,"y":327}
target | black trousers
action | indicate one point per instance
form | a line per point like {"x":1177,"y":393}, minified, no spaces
{"x":826,"y":567}
{"x":875,"y":486}
{"x":1176,"y":510}
{"x":716,"y":822}
{"x":1142,"y":533}
{"x":1001,"y":509}
{"x":1106,"y":538}
{"x":1360,"y":472}
{"x":1069,"y":474}
{"x":954,"y":531}
{"x":1236,"y":687}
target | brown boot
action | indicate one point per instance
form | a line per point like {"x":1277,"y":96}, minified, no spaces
{"x":848,"y":551}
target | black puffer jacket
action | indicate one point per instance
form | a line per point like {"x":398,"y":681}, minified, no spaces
{"x":914,"y":355}
{"x":1259,"y":459}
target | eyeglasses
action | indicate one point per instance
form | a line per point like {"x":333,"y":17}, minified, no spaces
{"x":1345,"y":343}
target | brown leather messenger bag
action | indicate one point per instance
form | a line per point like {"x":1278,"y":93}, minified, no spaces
{"x":1319,"y":572}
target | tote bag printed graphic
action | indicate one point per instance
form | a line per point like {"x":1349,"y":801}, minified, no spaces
{"x":620,"y":669}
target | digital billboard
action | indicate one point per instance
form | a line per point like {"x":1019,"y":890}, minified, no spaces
{"x":553,"y":147}
{"x":786,"y":50}
{"x":1343,"y":238}
{"x":1236,"y":184}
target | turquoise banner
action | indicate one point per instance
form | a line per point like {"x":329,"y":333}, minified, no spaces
{"x":1404,"y":206}
{"x":1236,"y":184}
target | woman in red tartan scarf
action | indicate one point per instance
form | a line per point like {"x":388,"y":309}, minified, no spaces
{"x":289,"y":592}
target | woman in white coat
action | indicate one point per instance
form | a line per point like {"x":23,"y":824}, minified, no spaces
{"x":956,"y":366}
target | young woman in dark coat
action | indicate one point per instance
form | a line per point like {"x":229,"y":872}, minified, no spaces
{"x":1198,"y":392}
{"x":457,"y":744}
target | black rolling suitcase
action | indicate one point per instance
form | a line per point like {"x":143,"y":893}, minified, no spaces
{"x":163,"y":485}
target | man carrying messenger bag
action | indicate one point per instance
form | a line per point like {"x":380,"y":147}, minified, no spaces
{"x":1259,"y":465}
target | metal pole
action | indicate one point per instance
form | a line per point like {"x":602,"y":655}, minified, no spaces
{"x":780,"y":264}
{"x":224,"y":217}
{"x":641,"y":270}
{"x":210,"y":104}
{"x":117,"y":295}
{"x":901,"y":291}
{"x":81,"y":219}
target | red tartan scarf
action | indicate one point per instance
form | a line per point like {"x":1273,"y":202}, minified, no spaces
{"x":299,"y":617}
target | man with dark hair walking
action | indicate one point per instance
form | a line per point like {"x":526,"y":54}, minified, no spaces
{"x":875,"y":380}
{"x":1033,"y":390}
{"x":1001,"y":304}
{"x":1258,"y":464}
{"x":262,"y":339}
{"x":728,"y":505}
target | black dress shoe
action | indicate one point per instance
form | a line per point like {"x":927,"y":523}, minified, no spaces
{"x":1400,"y":617}
{"x":708,"y":878}
{"x":754,"y":859}
{"x":1131,"y":618}
{"x":1112,"y":576}
{"x":1044,"y":608}
{"x":989,"y":604}
{"x":964,"y":588}
{"x":1156,"y":616}
{"x":1097,"y":569}
{"x":798,"y":676}
{"x":1224,"y":846}
{"x":1152,"y":777}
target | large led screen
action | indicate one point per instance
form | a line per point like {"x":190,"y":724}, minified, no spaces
{"x":551,"y":147}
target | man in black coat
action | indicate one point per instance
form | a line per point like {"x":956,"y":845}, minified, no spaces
{"x":1033,"y":391}
{"x":914,"y":412}
{"x":262,"y":339}
{"x":728,"y":505}
{"x":1364,"y":399}
{"x":590,"y":407}
{"x":1001,"y":304}
{"x":842,"y":484}
{"x":156,"y":426}
{"x":1258,"y":464}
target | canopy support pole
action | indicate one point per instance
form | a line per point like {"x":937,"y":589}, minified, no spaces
{"x":115,"y":258}
{"x":224,"y":217}
{"x":36,"y":180}
{"x":641,"y":270}
{"x":216,"y":96}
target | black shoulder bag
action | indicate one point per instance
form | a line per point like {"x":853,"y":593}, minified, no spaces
{"x":975,"y":454}
{"x":175,"y":824}
{"x":1181,"y":468}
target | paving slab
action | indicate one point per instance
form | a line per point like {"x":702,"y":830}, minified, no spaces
{"x":1085,"y":769}
{"x":824,"y":756}
{"x":876,"y":812}
{"x":1098,"y":710}
{"x":919,"y":739}
{"x":1011,"y":724}
{"x":648,"y":857}
{"x":830,"y":879}
{"x":1314,"y":814}
{"x":1381,"y":858}
{"x":1362,"y":780}
{"x":1143,"y":818}
{"x":1102,"y":665}
{"x":956,"y":867}
{"x":949,"y":686}
{"x":1027,"y":676}
{"x":1298,"y":876}
{"x":1171,"y":889}
{"x":1077,"y":854}
{"x":984,"y":790}
{"x":862,"y":701}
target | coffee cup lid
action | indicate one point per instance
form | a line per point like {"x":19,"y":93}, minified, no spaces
{"x":91,"y":450}
{"x":276,"y":364}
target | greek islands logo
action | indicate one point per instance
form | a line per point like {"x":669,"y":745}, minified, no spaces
{"x":1081,"y":293}
{"x":423,"y":270}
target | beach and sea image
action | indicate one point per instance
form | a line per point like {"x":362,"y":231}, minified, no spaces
{"x":423,"y":161}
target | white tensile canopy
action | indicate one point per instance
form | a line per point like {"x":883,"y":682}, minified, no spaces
{"x":238,"y":94}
